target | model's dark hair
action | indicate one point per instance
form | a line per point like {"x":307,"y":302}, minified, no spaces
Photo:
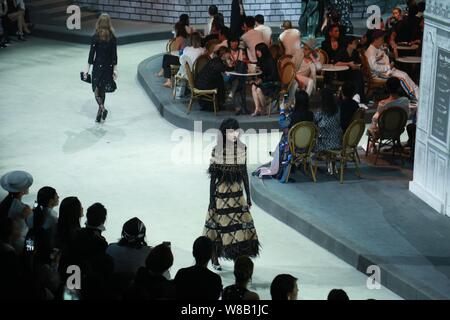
{"x":6,"y":203}
{"x":329,"y":106}
{"x":184,"y":19}
{"x":301,"y":101}
{"x":243,"y":269}
{"x":69,"y":217}
{"x":259,"y":18}
{"x":281,"y":286}
{"x":44,"y":195}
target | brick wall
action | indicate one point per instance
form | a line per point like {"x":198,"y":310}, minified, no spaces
{"x":168,"y":11}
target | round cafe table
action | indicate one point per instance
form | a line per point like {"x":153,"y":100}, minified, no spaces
{"x":244,"y":88}
{"x":334,"y":68}
{"x":410,"y":59}
{"x":406,"y":47}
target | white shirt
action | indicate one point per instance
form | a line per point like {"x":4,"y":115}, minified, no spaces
{"x":208,"y":26}
{"x":378,"y":61}
{"x":266,"y":31}
{"x":291,"y":39}
{"x":190,"y":54}
{"x":251,"y":38}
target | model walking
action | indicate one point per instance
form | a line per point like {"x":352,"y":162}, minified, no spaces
{"x":229,"y":223}
{"x":103,"y":56}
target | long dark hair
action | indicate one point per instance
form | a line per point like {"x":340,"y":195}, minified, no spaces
{"x":6,"y":203}
{"x":184,"y":19}
{"x":301,"y":101}
{"x":243,"y":269}
{"x":227,"y":124}
{"x":69,"y":217}
{"x":45,"y":194}
{"x":329,"y":106}
{"x":266,"y":55}
{"x":180,"y":30}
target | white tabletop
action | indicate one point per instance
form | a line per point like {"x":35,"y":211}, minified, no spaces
{"x":404,"y":47}
{"x":411,"y":59}
{"x":332,"y":67}
{"x":252,"y":74}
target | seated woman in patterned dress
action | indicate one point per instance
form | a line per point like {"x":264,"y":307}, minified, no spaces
{"x":327,"y":119}
{"x":288,"y":118}
{"x":229,"y":223}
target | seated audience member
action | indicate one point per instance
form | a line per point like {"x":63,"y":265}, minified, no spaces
{"x":334,"y":18}
{"x":381,"y":67}
{"x":276,"y":50}
{"x":236,"y":83}
{"x":184,"y":20}
{"x":251,"y":38}
{"x":41,"y":261}
{"x":333,"y":43}
{"x":327,"y":120}
{"x":266,"y":83}
{"x":290,"y":38}
{"x":17,"y":183}
{"x":212,"y":11}
{"x":284,"y":287}
{"x":394,"y":19}
{"x":288,"y":118}
{"x":394,"y":100}
{"x":11,"y":271}
{"x":89,"y":250}
{"x":211,"y":77}
{"x":349,"y":56}
{"x":15,"y":12}
{"x":130,"y":252}
{"x":197,"y":282}
{"x":70,"y":213}
{"x":211,"y":47}
{"x":190,"y":54}
{"x":307,"y":72}
{"x":172,"y":58}
{"x":407,"y":29}
{"x":243,"y":271}
{"x":337,"y":294}
{"x":264,"y":29}
{"x":47,"y":199}
{"x":347,"y":106}
{"x":223,"y":37}
{"x":150,"y":282}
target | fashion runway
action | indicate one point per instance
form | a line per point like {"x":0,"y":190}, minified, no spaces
{"x":47,"y":128}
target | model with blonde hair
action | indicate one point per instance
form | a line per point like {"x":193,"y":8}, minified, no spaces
{"x":103,"y":57}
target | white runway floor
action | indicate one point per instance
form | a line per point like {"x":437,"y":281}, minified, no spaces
{"x":47,"y":128}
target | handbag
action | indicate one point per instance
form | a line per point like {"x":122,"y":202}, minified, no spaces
{"x":88,"y":78}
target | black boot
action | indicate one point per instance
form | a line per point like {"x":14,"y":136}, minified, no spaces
{"x":99,"y":115}
{"x":104,"y":114}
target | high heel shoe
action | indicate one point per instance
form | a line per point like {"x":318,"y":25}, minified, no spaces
{"x":104,"y":114}
{"x":99,"y":115}
{"x":256,"y":114}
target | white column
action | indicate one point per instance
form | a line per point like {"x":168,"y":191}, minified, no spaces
{"x":431,"y":180}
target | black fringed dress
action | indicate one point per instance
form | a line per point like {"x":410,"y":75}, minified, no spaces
{"x":229,"y":223}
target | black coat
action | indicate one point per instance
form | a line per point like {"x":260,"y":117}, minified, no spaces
{"x":103,"y":56}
